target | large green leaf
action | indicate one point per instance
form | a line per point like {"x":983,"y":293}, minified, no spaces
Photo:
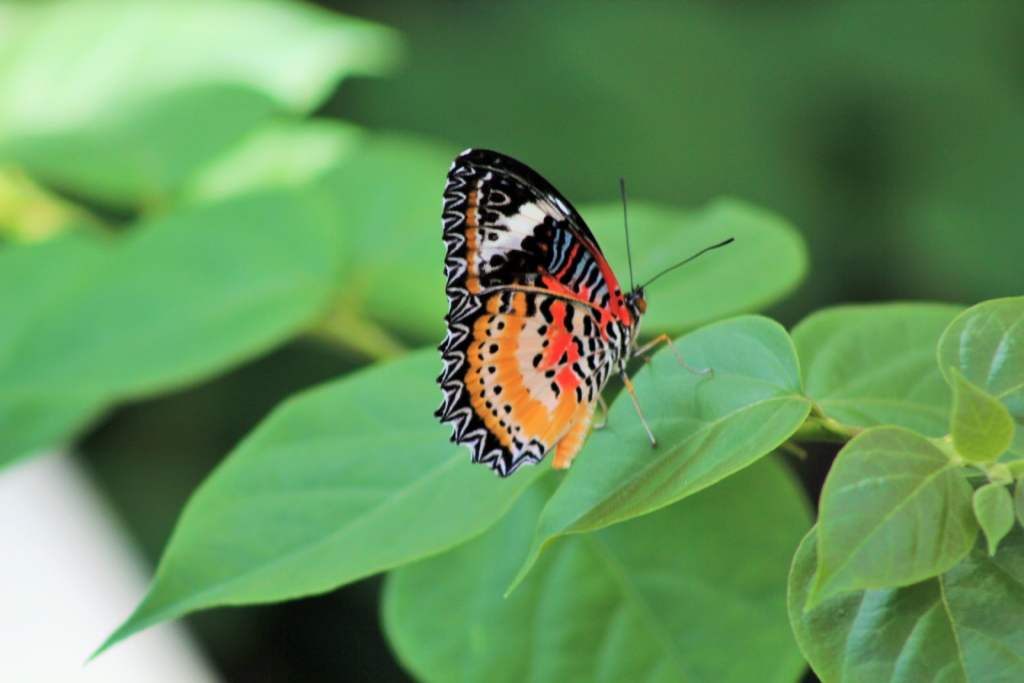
{"x":279,"y":153}
{"x":35,"y":279}
{"x":137,"y":157}
{"x":986,"y":344}
{"x":707,"y":428}
{"x":340,"y":482}
{"x":875,"y":365}
{"x":382,"y":188}
{"x":667,"y":597}
{"x":894,"y":510}
{"x":32,"y":423}
{"x":388,"y":189}
{"x":767,"y":261}
{"x":119,"y":100}
{"x":178,"y":299}
{"x":965,"y":626}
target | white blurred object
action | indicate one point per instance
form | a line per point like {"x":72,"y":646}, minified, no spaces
{"x":68,"y":577}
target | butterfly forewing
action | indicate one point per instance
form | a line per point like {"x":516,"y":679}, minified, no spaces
{"x":536,"y":319}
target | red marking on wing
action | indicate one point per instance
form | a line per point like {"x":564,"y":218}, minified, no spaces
{"x":560,"y":342}
{"x":568,"y":261}
{"x":556,"y":287}
{"x":617,"y":304}
{"x":567,"y":379}
{"x":561,"y":350}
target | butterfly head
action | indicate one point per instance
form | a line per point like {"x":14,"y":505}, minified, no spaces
{"x":636,"y":302}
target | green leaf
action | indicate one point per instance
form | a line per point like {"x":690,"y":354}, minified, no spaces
{"x":180,"y":298}
{"x":1018,"y":501}
{"x":667,"y":597}
{"x":767,"y":261}
{"x":993,"y":508}
{"x":388,"y":189}
{"x":279,"y":153}
{"x":707,"y":428}
{"x":32,"y":213}
{"x":383,"y":189}
{"x":874,"y":365}
{"x":68,"y":65}
{"x":107,"y":82}
{"x":965,"y":626}
{"x":34,"y":279}
{"x":32,"y":423}
{"x":894,"y":510}
{"x":981,"y":427}
{"x":986,"y":344}
{"x":340,"y":482}
{"x":138,"y":156}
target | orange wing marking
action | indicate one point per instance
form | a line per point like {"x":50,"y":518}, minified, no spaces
{"x":472,"y":283}
{"x":572,"y":442}
{"x":515,"y":397}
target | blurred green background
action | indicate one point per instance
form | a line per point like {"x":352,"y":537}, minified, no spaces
{"x":890,"y":134}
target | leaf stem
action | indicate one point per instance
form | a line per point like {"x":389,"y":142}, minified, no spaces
{"x":821,"y":428}
{"x":945,"y":444}
{"x":998,"y":473}
{"x":31,"y":213}
{"x":345,"y":325}
{"x":794,"y":449}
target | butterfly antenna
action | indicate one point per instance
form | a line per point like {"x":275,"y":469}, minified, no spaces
{"x":625,"y":221}
{"x":684,"y":262}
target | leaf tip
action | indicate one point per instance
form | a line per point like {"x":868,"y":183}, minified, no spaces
{"x":814,"y":597}
{"x":822,"y":587}
{"x":142,"y":618}
{"x":531,"y":559}
{"x":123,"y":631}
{"x":523,"y":571}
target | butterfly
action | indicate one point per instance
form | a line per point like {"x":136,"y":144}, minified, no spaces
{"x":537,"y":321}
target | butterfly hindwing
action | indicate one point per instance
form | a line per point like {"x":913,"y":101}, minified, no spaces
{"x":534,"y":366}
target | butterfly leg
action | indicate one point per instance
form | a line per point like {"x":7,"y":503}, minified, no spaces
{"x":632,"y":394}
{"x":604,"y":412}
{"x":639,"y":350}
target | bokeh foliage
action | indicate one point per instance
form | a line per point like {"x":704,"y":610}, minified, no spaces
{"x":889,"y":132}
{"x":169,"y":210}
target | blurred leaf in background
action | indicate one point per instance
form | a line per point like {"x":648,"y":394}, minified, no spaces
{"x":122,"y":105}
{"x":168,"y":210}
{"x":890,"y":133}
{"x":120,"y":102}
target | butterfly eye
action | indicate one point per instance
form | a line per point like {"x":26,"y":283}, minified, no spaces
{"x":641,"y":305}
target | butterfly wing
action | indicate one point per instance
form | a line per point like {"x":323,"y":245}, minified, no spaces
{"x":536,"y":320}
{"x":506,"y":225}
